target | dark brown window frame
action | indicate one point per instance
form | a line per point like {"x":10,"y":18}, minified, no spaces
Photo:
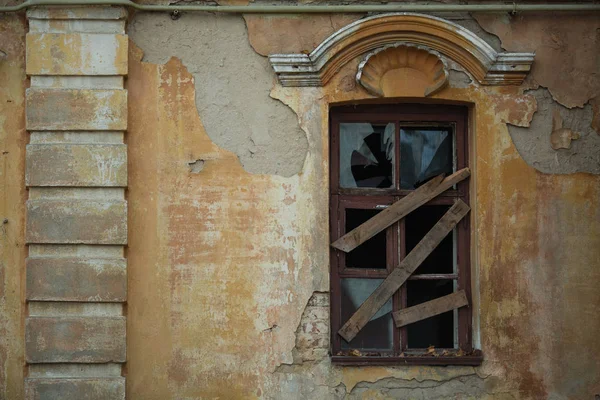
{"x":406,"y":114}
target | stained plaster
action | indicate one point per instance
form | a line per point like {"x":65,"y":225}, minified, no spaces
{"x":232,"y":87}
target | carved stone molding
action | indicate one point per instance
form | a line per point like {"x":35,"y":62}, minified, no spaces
{"x":402,"y":70}
{"x":486,"y":65}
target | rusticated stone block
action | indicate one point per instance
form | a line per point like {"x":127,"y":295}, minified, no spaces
{"x":75,"y":339}
{"x":76,"y":109}
{"x":77,"y":12}
{"x":76,"y":279}
{"x":75,"y":388}
{"x":76,"y":54}
{"x":76,"y":165}
{"x":76,"y":221}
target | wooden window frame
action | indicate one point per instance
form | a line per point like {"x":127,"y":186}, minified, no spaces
{"x":341,"y":198}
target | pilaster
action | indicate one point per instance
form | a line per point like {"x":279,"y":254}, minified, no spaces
{"x":76,"y":173}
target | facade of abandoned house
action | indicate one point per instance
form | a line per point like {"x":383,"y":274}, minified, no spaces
{"x":242,"y":205}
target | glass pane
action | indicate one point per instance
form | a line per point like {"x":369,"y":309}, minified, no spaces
{"x":377,"y":335}
{"x":370,"y":254}
{"x":424,"y":153}
{"x":436,"y":331}
{"x":366,"y":155}
{"x":418,"y":223}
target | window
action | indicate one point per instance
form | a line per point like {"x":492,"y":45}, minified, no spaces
{"x":379,"y":155}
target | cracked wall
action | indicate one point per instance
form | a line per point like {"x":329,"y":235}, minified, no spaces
{"x":228,"y":215}
{"x":229,"y":271}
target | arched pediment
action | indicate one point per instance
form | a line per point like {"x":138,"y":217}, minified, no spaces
{"x":477,"y":57}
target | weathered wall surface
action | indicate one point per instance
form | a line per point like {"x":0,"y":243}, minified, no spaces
{"x":566,"y":74}
{"x":232,"y":88}
{"x":224,"y":263}
{"x":228,"y":215}
{"x":12,"y":203}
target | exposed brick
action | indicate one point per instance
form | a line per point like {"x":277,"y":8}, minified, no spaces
{"x":312,"y":335}
{"x":315,"y":327}
{"x":319,"y":300}
{"x":75,"y":279}
{"x":75,"y":339}
{"x":318,"y":313}
{"x":76,"y":221}
{"x":76,"y":165}
{"x":76,"y":54}
{"x":76,"y":109}
{"x":75,"y":388}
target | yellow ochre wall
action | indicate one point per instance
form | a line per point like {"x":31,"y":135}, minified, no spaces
{"x":228,"y":256}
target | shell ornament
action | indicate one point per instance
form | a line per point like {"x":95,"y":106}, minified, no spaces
{"x":402,"y":70}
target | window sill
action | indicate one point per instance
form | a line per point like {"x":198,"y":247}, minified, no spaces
{"x":473,"y":360}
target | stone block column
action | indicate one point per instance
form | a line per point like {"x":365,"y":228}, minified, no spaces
{"x":76,"y":213}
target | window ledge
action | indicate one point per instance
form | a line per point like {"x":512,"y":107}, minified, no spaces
{"x":473,"y":360}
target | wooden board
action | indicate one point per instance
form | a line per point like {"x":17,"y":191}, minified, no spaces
{"x":398,"y":210}
{"x":430,"y":308}
{"x":401,"y":273}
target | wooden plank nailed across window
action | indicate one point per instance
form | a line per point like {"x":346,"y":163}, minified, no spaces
{"x":401,"y":273}
{"x":430,"y":308}
{"x":398,"y":210}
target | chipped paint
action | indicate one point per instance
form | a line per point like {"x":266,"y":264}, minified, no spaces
{"x":216,"y":245}
{"x":566,"y":50}
{"x":233,"y":257}
{"x":228,"y":269}
{"x":76,"y":54}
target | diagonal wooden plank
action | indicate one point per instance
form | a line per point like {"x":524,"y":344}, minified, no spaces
{"x":401,"y":273}
{"x":430,"y":308}
{"x":398,"y":210}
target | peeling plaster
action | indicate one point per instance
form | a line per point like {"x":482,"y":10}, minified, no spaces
{"x":535,"y":142}
{"x":196,"y":166}
{"x":309,"y":31}
{"x":566,"y":46}
{"x":221,"y":282}
{"x":232,"y":87}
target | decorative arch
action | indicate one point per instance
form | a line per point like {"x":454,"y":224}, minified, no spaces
{"x":486,"y":65}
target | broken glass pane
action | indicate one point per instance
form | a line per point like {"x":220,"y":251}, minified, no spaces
{"x":377,"y":335}
{"x":424,"y":154}
{"x":436,"y":331}
{"x":370,"y":254}
{"x":366,"y":155}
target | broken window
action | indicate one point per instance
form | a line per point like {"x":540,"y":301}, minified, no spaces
{"x":384,"y":156}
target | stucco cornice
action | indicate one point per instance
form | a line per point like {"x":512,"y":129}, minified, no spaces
{"x":449,"y":39}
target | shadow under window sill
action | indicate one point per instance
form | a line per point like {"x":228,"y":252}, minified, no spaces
{"x":474,"y":358}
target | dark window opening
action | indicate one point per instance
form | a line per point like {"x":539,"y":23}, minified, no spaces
{"x":372,"y":253}
{"x":418,"y":223}
{"x":436,"y":331}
